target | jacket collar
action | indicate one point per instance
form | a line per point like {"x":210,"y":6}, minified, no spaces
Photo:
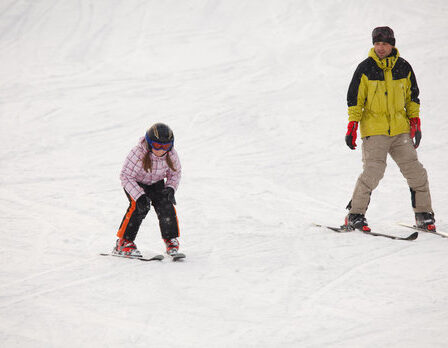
{"x":386,"y":63}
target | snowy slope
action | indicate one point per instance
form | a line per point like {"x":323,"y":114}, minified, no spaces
{"x":255,"y":92}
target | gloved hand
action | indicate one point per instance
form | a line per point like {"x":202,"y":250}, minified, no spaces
{"x":143,"y":204}
{"x":416,"y":132}
{"x":169,"y":194}
{"x":350,"y":137}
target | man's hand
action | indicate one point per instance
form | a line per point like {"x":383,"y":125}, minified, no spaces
{"x":350,"y":137}
{"x":416,"y":132}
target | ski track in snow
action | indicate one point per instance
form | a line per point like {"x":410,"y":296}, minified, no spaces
{"x":255,"y":93}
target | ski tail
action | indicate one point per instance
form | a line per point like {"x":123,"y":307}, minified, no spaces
{"x":177,"y":256}
{"x":415,"y":228}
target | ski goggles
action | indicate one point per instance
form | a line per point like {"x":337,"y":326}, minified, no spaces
{"x":159,"y":146}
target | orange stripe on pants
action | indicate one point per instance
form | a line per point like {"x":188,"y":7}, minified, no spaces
{"x":126,"y":219}
{"x":177,"y":221}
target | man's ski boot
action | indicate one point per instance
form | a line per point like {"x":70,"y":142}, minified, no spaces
{"x":356,"y":222}
{"x":127,"y":248}
{"x":425,"y":221}
{"x":172,"y":246}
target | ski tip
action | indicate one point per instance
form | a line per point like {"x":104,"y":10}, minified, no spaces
{"x":413,"y":236}
{"x":154,"y":258}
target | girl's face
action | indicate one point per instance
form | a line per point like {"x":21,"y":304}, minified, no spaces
{"x":159,"y":153}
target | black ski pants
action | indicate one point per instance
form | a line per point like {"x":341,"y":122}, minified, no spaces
{"x":166,"y":213}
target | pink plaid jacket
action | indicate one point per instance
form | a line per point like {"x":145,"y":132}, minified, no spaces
{"x":133,"y":171}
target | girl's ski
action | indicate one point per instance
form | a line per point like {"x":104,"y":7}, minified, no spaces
{"x":177,"y":256}
{"x":152,"y":258}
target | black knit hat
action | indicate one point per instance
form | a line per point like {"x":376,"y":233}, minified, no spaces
{"x":383,"y":34}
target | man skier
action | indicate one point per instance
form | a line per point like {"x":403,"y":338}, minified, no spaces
{"x":383,"y":100}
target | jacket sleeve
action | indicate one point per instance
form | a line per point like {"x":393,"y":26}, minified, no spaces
{"x":129,"y":173}
{"x":173,"y":177}
{"x":412,"y":100}
{"x":357,"y":94}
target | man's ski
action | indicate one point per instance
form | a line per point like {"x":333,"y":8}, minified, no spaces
{"x":341,"y":229}
{"x":415,"y":228}
{"x":152,"y":258}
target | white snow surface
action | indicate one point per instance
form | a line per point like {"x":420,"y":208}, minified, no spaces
{"x":255,"y":91}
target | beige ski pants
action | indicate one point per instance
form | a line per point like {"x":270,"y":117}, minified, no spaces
{"x":374,"y":154}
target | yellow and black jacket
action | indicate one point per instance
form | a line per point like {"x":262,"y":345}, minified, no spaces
{"x":383,"y":95}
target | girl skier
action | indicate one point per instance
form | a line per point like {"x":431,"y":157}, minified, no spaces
{"x":150,"y":175}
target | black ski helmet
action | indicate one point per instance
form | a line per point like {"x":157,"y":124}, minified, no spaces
{"x":159,"y":133}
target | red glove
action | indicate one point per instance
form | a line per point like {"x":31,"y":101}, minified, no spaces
{"x":416,"y":132}
{"x":350,"y":137}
